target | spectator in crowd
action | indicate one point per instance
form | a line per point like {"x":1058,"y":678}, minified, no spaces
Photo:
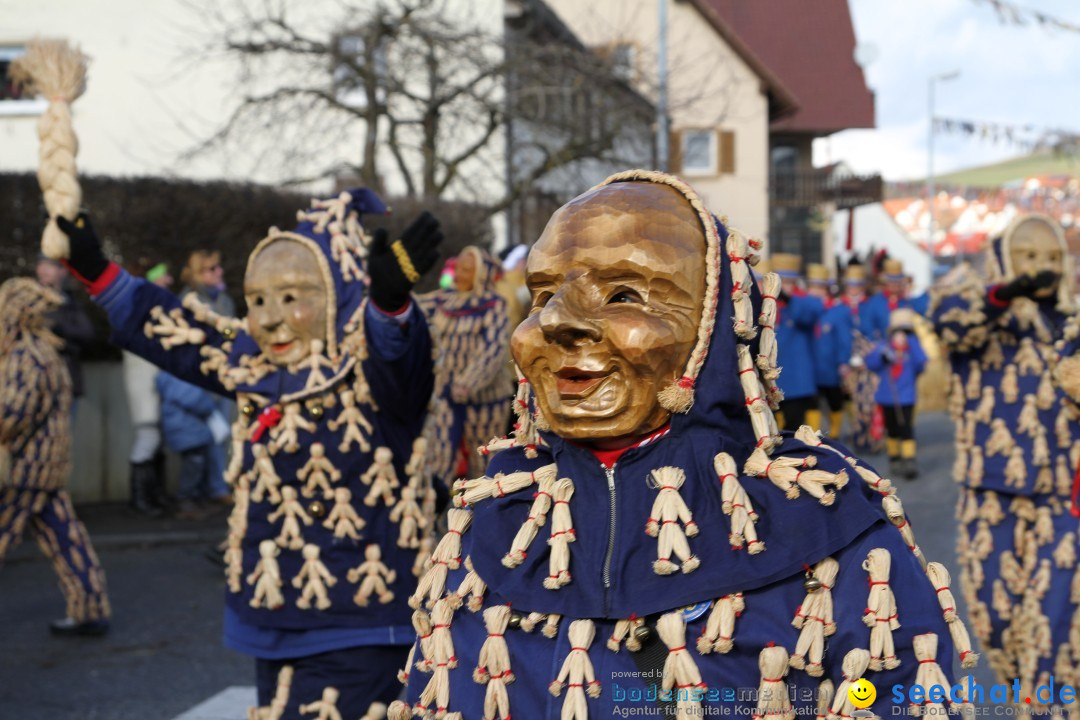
{"x":898,"y":362}
{"x":148,"y":494}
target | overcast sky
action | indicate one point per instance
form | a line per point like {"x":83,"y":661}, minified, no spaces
{"x":1008,"y":74}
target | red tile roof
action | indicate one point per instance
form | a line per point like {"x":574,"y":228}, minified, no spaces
{"x":809,"y":46}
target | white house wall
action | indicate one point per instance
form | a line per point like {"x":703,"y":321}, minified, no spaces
{"x":875,"y":230}
{"x":709,"y":87}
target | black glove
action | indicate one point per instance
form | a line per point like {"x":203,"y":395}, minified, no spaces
{"x":86,"y":259}
{"x":394,"y":268}
{"x":1025,"y":286}
{"x":888,"y":355}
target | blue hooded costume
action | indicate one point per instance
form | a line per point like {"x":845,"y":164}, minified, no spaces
{"x":331,"y":499}
{"x":747,"y":588}
{"x":35,"y":449}
{"x":1017,"y":444}
{"x":473,"y":331}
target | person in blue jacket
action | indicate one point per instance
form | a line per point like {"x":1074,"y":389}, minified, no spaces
{"x":797,"y":316}
{"x":898,"y":362}
{"x":185,"y":416}
{"x":332,"y":371}
{"x":832,"y":350}
{"x":774,"y":569}
{"x":893,"y":295}
{"x":1012,"y":346}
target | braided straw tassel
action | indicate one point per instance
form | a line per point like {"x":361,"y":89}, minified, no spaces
{"x":928,"y":674}
{"x":825,"y":693}
{"x":854,"y":666}
{"x":808,"y":436}
{"x":576,"y":675}
{"x":984,"y":412}
{"x":766,"y":359}
{"x":736,"y":503}
{"x":741,"y":282}
{"x":1001,"y":440}
{"x":1028,"y":422}
{"x":880,"y":614}
{"x":626,"y":629}
{"x":542,"y":500}
{"x":894,"y":509}
{"x":437,"y":690}
{"x":1010,"y":385}
{"x":773,"y":702}
{"x":668,"y":511}
{"x":680,"y":672}
{"x":1063,"y":426}
{"x":720,"y":627}
{"x":756,"y":402}
{"x":562,"y":534}
{"x":974,"y":381}
{"x":789,"y":474}
{"x":1065,"y":552}
{"x":470,"y":492}
{"x":447,"y":556}
{"x":975,"y":467}
{"x":472,"y":586}
{"x":493,"y":664}
{"x":57,"y":71}
{"x":815,"y":618}
{"x":939,"y":577}
{"x":1027,"y":358}
{"x":421,"y":623}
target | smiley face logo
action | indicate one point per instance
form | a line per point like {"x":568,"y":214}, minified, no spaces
{"x":862,"y":693}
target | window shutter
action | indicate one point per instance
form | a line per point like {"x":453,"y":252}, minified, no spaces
{"x":726,"y":162}
{"x":675,"y":151}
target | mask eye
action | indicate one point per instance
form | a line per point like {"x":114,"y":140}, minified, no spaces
{"x":257,"y":301}
{"x":626,"y":296}
{"x":288,"y":298}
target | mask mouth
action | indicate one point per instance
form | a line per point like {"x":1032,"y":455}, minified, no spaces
{"x":576,"y":383}
{"x":282,"y":347}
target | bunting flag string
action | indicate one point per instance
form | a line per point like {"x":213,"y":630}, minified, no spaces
{"x":1027,"y":137}
{"x":1012,"y":14}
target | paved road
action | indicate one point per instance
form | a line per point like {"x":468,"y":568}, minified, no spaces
{"x":164,"y":657}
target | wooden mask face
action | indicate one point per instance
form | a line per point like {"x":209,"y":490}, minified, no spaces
{"x":286,"y":297}
{"x":618,"y":284}
{"x":1034,"y":248}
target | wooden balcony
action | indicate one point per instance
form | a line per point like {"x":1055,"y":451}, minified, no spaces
{"x":808,"y":189}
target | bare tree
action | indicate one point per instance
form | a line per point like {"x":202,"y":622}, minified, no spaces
{"x":421,"y":94}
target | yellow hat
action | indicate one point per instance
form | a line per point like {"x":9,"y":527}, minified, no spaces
{"x":902,"y":319}
{"x":892,"y":269}
{"x":786,"y":264}
{"x":817,"y":273}
{"x":854,"y":274}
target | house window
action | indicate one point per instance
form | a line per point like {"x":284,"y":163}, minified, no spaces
{"x":699,"y":152}
{"x":624,"y":62}
{"x":13,"y":101}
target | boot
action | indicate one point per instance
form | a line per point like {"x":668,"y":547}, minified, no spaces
{"x":159,"y":494}
{"x":897,"y":468}
{"x":66,"y":627}
{"x":142,"y":482}
{"x":908,"y":451}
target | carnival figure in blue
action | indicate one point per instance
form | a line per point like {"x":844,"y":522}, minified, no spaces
{"x":797,"y":317}
{"x":1017,"y":444}
{"x":832,"y":350}
{"x":893,"y":295}
{"x":35,"y":455}
{"x":648,"y":532}
{"x":474,"y":385}
{"x":332,"y":371}
{"x":898,"y":361}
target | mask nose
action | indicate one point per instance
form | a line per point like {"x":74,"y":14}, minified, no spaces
{"x":564,"y":320}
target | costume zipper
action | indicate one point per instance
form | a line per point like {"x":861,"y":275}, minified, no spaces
{"x":610,"y":473}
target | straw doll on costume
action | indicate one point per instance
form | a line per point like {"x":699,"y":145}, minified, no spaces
{"x":474,"y":390}
{"x":645,"y":408}
{"x":35,"y":455}
{"x":317,"y":331}
{"x":1017,"y":445}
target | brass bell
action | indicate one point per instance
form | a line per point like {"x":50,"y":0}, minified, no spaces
{"x":811,"y":583}
{"x":316,"y":412}
{"x":316,"y":509}
{"x":515,"y":621}
{"x":248,"y":409}
{"x":643,"y":633}
{"x":228,"y":332}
